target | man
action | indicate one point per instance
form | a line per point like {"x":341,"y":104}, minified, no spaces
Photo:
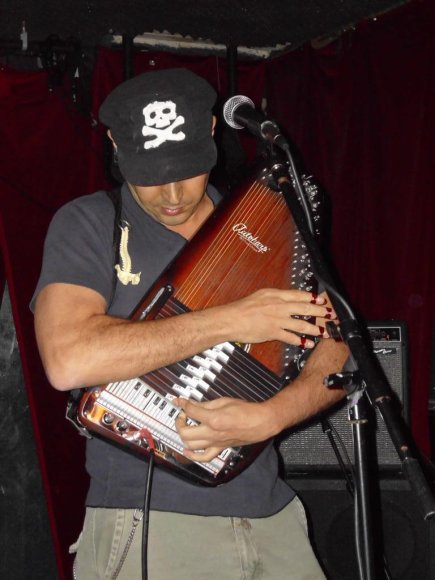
{"x":161,"y":125}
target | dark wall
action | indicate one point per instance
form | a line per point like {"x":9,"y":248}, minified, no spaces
{"x":25,"y":539}
{"x":248,"y":23}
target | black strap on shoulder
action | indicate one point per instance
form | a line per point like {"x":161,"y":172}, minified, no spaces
{"x":116,"y":199}
{"x":75,"y":395}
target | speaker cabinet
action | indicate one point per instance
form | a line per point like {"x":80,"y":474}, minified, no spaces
{"x":308,"y":448}
{"x":401,"y":534}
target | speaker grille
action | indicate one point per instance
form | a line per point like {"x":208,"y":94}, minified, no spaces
{"x":308,"y":447}
{"x":400,"y":532}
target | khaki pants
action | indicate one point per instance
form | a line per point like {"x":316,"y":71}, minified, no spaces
{"x":184,"y":547}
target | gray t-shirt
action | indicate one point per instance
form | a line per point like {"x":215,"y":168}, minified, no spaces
{"x":78,"y":250}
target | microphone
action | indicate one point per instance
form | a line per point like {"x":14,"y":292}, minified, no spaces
{"x":239,"y":112}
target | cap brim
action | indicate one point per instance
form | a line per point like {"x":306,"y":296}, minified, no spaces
{"x":148,"y":169}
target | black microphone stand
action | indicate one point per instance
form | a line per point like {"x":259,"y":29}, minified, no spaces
{"x":366,"y":385}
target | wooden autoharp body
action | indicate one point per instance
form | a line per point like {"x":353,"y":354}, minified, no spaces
{"x":250,"y":242}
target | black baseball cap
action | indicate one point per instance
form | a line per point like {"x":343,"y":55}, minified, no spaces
{"x":161,"y":122}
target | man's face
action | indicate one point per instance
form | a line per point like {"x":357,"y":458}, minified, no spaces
{"x":173,"y":204}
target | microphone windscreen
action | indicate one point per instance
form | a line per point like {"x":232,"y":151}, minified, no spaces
{"x":232,"y":104}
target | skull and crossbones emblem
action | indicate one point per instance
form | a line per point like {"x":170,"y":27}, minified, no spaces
{"x":161,"y":120}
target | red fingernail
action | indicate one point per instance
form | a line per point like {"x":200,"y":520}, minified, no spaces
{"x":314,"y":297}
{"x":303,"y":341}
{"x":322,"y":330}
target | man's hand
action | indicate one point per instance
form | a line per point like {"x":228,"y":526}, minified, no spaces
{"x":273,"y":314}
{"x":224,"y":422}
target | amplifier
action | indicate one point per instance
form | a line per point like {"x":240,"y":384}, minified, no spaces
{"x":308,"y":447}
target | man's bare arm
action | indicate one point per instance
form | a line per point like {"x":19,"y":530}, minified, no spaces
{"x":80,"y":345}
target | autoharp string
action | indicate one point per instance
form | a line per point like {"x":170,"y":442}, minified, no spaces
{"x":223,"y":244}
{"x":240,"y":376}
{"x":221,"y":247}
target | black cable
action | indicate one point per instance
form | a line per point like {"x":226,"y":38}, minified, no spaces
{"x":330,"y":430}
{"x":146,"y":515}
{"x":350,"y":477}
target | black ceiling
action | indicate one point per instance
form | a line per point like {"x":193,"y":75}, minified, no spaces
{"x":249,"y":23}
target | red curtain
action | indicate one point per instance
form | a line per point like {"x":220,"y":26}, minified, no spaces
{"x":43,"y":163}
{"x":361,"y":111}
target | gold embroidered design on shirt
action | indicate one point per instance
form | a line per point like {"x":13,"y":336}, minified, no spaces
{"x":124,"y":273}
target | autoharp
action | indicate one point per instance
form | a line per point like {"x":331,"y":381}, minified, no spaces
{"x":250,"y":242}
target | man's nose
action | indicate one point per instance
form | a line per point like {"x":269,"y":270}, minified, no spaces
{"x":173,"y":192}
